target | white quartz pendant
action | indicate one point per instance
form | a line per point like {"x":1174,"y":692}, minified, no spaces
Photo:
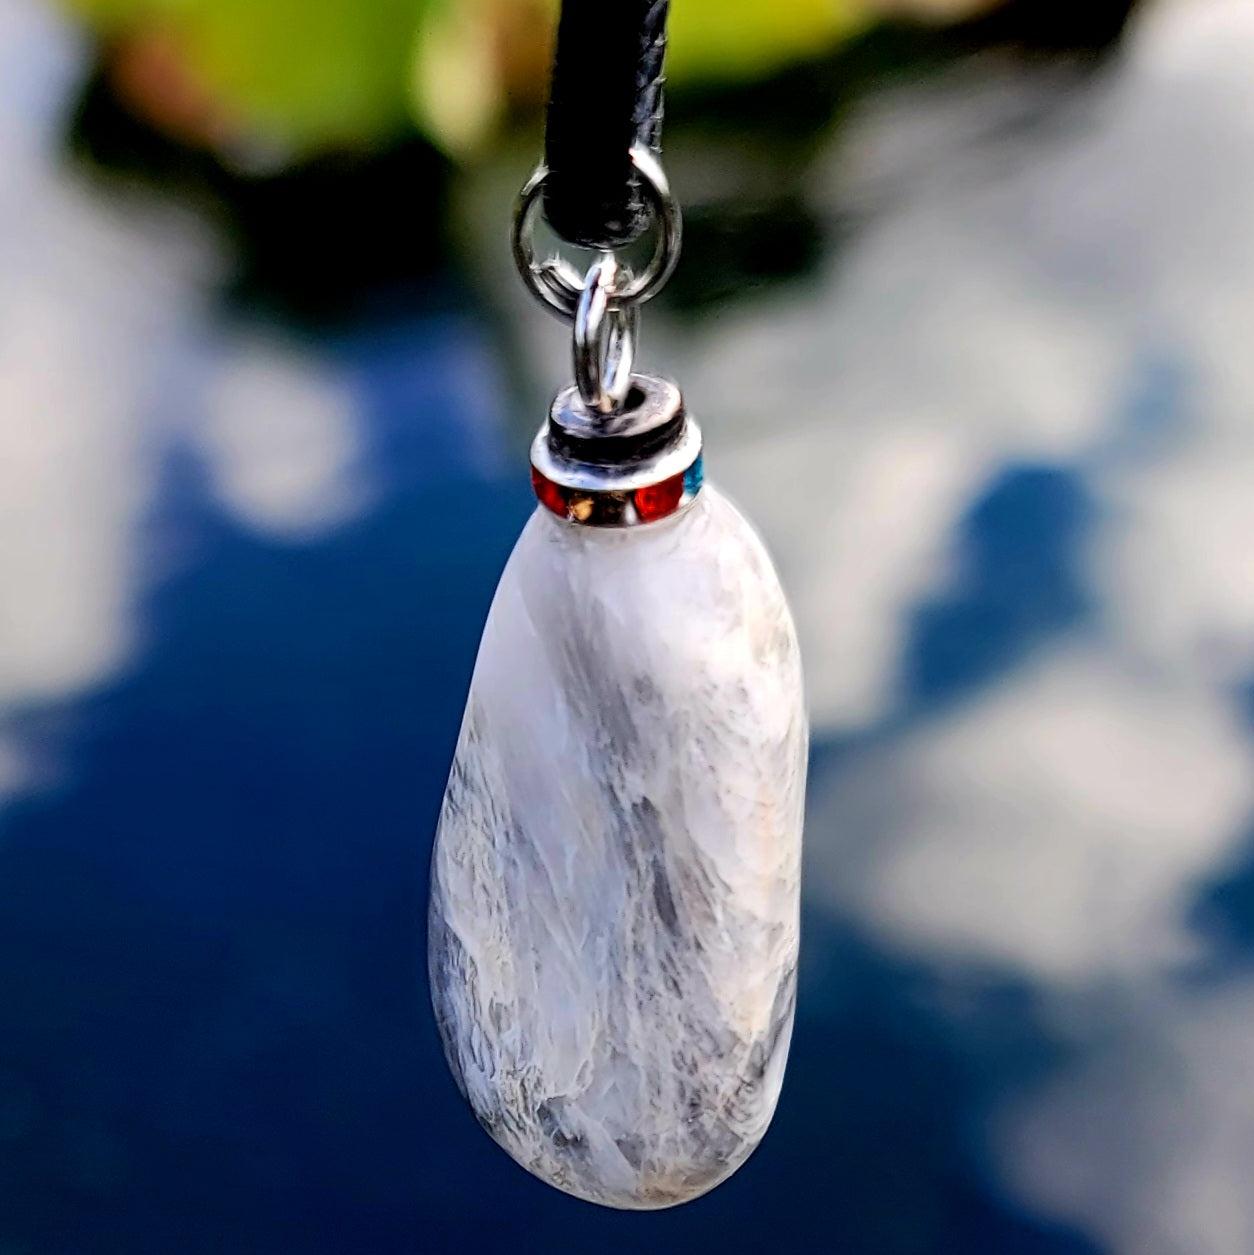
{"x":615,"y":882}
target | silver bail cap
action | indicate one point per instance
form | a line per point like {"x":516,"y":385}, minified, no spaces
{"x":637,"y":465}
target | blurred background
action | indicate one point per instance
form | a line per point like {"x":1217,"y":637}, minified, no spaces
{"x":966,"y":309}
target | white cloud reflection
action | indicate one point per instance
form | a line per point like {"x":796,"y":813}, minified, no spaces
{"x":1058,"y":827}
{"x":930,"y":356}
{"x":103,"y":321}
{"x":89,"y":296}
{"x":281,"y":439}
{"x":1001,"y":308}
{"x":1146,"y":1141}
{"x":997,"y":308}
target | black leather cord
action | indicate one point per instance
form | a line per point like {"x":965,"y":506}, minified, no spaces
{"x":606,"y":96}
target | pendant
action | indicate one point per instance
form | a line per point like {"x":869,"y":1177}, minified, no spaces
{"x":614,"y":908}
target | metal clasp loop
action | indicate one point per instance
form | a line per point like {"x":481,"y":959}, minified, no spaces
{"x":605,"y":339}
{"x":556,"y":282}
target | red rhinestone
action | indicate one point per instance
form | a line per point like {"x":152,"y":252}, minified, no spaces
{"x":549,"y":493}
{"x":659,"y":500}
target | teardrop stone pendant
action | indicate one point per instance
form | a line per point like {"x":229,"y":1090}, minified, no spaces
{"x":615,"y":883}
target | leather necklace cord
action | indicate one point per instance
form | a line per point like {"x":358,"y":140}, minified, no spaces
{"x":606,"y":96}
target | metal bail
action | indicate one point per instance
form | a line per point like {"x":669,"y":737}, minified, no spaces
{"x":637,"y":465}
{"x":605,"y":339}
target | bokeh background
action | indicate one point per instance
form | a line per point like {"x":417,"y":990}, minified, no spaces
{"x":967,"y":310}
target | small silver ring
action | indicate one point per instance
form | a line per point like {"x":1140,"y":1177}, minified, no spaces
{"x":605,"y":339}
{"x":556,"y":282}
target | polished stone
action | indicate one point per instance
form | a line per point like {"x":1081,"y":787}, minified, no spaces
{"x":615,"y":884}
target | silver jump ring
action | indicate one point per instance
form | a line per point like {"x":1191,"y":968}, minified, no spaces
{"x":605,"y":339}
{"x":557,"y":283}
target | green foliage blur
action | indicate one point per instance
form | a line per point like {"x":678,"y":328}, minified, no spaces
{"x":294,"y":77}
{"x":303,"y":74}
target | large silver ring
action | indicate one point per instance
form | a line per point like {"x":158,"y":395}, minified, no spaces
{"x":605,"y":339}
{"x":557,"y":283}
